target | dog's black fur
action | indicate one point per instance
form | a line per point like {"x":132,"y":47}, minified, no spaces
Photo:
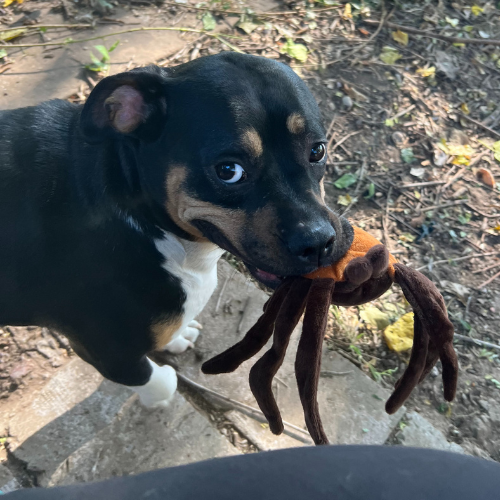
{"x":85,"y":192}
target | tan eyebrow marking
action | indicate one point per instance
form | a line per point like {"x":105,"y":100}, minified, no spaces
{"x":252,"y":142}
{"x":295,"y":123}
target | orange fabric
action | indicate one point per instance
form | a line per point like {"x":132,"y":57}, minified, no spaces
{"x":361,"y":244}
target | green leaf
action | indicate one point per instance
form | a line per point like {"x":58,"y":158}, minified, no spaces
{"x":407,"y":155}
{"x":247,"y":26}
{"x":345,"y":181}
{"x":43,"y":29}
{"x":295,"y":50}
{"x":375,"y":317}
{"x":496,"y":149}
{"x":113,"y":47}
{"x":104,"y":52}
{"x":389,"y":55}
{"x":3,"y":53}
{"x":208,"y":21}
{"x":371,"y":191}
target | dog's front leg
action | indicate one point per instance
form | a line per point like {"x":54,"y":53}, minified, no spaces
{"x":184,"y":339}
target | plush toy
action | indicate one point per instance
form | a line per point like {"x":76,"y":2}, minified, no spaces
{"x":365,"y":272}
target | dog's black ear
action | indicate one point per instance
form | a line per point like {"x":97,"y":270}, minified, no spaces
{"x":131,"y":103}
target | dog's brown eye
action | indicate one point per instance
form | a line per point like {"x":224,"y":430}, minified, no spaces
{"x":230,"y":173}
{"x":318,"y":152}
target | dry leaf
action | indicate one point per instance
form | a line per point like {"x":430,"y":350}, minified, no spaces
{"x":476,"y":10}
{"x":426,"y":72}
{"x":8,"y":2}
{"x":363,"y":31}
{"x":348,"y":11}
{"x":399,"y":335}
{"x":465,"y":108}
{"x":400,"y":37}
{"x":389,"y":55}
{"x":486,"y":177}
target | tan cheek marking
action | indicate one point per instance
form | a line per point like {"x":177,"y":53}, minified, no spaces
{"x":164,"y":331}
{"x":322,"y":189}
{"x":183,"y":209}
{"x":295,"y":124}
{"x":264,"y":226}
{"x":252,"y":142}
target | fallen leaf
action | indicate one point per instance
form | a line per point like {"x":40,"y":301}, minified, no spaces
{"x":375,"y":317}
{"x":426,"y":72}
{"x":8,"y":2}
{"x":363,"y":31}
{"x":389,"y":55}
{"x":400,"y":37}
{"x":208,"y":21}
{"x":3,"y":53}
{"x":460,"y":291}
{"x":345,"y":181}
{"x":371,"y":191}
{"x":496,"y":149}
{"x":465,"y":108}
{"x":346,"y":200}
{"x":5,"y":36}
{"x":348,"y":11}
{"x":452,"y":21}
{"x":295,"y":50}
{"x":247,"y":26}
{"x":486,"y":177}
{"x":407,"y":155}
{"x":476,"y":10}
{"x":447,"y":63}
{"x":399,"y":335}
{"x":417,"y":172}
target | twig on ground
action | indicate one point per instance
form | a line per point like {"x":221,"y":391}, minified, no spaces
{"x":329,"y":373}
{"x":488,"y":281}
{"x":457,"y":259}
{"x":444,"y":205}
{"x":484,"y":269}
{"x":339,"y":143}
{"x":476,"y":341}
{"x":479,"y":124}
{"x":420,"y":184}
{"x":427,"y":34}
{"x":241,"y":405}
{"x":220,"y":295}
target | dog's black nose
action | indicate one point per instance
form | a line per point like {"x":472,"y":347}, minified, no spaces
{"x":312,"y":245}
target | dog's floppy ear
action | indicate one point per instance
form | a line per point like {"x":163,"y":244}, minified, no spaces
{"x":131,"y":103}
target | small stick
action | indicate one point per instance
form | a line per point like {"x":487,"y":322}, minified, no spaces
{"x":420,"y":184}
{"x":200,"y":387}
{"x":245,"y":307}
{"x":457,"y":176}
{"x":486,"y":268}
{"x":335,"y":146}
{"x":487,"y":282}
{"x":329,"y":373}
{"x":444,"y":205}
{"x":479,"y":124}
{"x":476,"y":341}
{"x":385,"y":221}
{"x":467,"y":257}
{"x":426,"y":34}
{"x":402,"y":113}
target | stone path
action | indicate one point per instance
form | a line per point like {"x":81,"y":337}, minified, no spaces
{"x":80,"y":427}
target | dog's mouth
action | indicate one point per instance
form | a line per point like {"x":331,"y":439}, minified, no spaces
{"x":268,"y":279}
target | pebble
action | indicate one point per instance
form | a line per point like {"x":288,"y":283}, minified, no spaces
{"x":347,"y":102}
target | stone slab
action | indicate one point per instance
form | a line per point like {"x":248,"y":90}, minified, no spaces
{"x":8,"y":482}
{"x":140,"y":440}
{"x":351,"y":414}
{"x":420,"y":433}
{"x":75,"y":404}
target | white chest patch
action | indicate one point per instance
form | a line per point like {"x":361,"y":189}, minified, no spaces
{"x":195,"y":264}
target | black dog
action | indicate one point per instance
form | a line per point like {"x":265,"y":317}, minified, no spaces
{"x":113,"y":215}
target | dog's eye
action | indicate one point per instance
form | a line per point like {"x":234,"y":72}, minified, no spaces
{"x":230,"y":172}
{"x":318,"y":152}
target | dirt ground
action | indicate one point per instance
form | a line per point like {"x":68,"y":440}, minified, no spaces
{"x":413,"y":119}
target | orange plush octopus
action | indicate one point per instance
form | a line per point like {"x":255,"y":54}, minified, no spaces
{"x":364,"y":273}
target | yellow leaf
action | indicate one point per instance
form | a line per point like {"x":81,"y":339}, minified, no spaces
{"x":348,"y":11}
{"x":8,"y":2}
{"x":375,"y":317}
{"x":389,"y":55}
{"x":400,"y":37}
{"x":460,"y":150}
{"x":399,"y":335}
{"x":497,"y":228}
{"x":426,"y":72}
{"x":5,"y":36}
{"x":465,"y":108}
{"x":476,"y":10}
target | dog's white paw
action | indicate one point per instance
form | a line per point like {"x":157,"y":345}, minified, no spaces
{"x":186,"y":338}
{"x":160,"y":389}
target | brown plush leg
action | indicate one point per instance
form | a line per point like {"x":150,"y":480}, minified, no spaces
{"x":263,"y":372}
{"x":413,"y":372}
{"x":308,"y":360}
{"x":254,"y":340}
{"x":429,"y":308}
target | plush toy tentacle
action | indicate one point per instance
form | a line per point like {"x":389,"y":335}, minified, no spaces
{"x":429,"y":307}
{"x":255,"y":339}
{"x":413,"y":372}
{"x":308,"y":360}
{"x":263,"y":372}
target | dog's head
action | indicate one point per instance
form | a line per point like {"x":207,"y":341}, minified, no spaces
{"x":233,"y":149}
